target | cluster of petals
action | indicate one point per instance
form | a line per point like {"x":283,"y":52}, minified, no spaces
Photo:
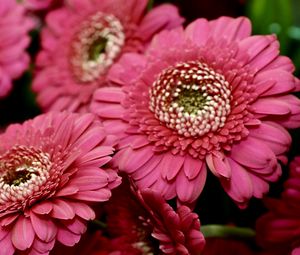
{"x":209,"y":96}
{"x":83,"y":39}
{"x":279,"y":229}
{"x":51,"y":170}
{"x":142,"y":222}
{"x":14,"y":39}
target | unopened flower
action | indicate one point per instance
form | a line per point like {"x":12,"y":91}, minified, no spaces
{"x":84,"y":39}
{"x":210,"y":96}
{"x":14,"y":39}
{"x":279,"y":229}
{"x":50,"y":171}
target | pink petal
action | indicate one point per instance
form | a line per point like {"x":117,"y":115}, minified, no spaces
{"x":22,"y":234}
{"x":270,"y":105}
{"x":77,"y":226}
{"x":94,"y":196}
{"x":62,"y":210}
{"x":198,"y":31}
{"x":277,"y":138}
{"x":189,"y":190}
{"x":43,"y":207}
{"x":231,"y":29}
{"x":66,"y":237}
{"x":108,"y":110}
{"x":133,"y":159}
{"x":42,"y":248}
{"x":163,"y":17}
{"x":83,"y":211}
{"x":171,"y":165}
{"x":44,"y":227}
{"x":109,"y":94}
{"x":239,"y":186}
{"x":7,"y":246}
{"x":253,"y":153}
{"x":192,"y":167}
{"x":283,"y":81}
{"x":218,"y":164}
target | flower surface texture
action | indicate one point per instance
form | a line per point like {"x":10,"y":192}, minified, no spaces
{"x":279,"y":229}
{"x":50,"y":172}
{"x":208,"y":97}
{"x":144,"y":223}
{"x":84,"y":39}
{"x":14,"y":39}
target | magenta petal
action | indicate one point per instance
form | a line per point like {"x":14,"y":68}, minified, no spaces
{"x":239,"y":186}
{"x":7,"y":247}
{"x":77,"y":226}
{"x":22,"y":234}
{"x":253,"y":153}
{"x":133,"y":159}
{"x":62,"y":210}
{"x":44,"y":227}
{"x":189,"y":190}
{"x":83,"y":211}
{"x":277,"y":138}
{"x":198,"y":31}
{"x":269,"y":105}
{"x":42,"y":248}
{"x":283,"y":81}
{"x":231,"y":29}
{"x":7,"y":220}
{"x":66,"y":237}
{"x":109,"y":94}
{"x":163,"y":17}
{"x":192,"y":167}
{"x":44,"y":207}
{"x":171,"y":165}
{"x":218,"y":164}
{"x":94,"y":196}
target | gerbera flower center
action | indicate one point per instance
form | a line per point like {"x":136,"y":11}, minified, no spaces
{"x":96,"y":45}
{"x":191,"y":98}
{"x":23,"y":170}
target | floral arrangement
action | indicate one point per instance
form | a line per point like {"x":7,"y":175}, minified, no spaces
{"x":124,"y":124}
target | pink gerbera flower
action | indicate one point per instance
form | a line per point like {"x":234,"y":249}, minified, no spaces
{"x":210,"y":96}
{"x":146,"y":222}
{"x":14,"y":39}
{"x":49,"y":172}
{"x":84,"y":39}
{"x":279,"y":229}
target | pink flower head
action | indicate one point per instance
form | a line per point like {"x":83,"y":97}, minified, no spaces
{"x":14,"y":39}
{"x":84,"y":39}
{"x":279,"y":229}
{"x":50,"y":170}
{"x":210,"y":96}
{"x":146,"y":224}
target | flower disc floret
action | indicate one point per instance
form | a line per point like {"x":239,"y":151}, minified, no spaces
{"x":96,"y":45}
{"x":191,"y":98}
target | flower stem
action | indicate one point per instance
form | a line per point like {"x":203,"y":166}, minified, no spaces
{"x":227,"y":231}
{"x":99,"y":224}
{"x":150,"y":5}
